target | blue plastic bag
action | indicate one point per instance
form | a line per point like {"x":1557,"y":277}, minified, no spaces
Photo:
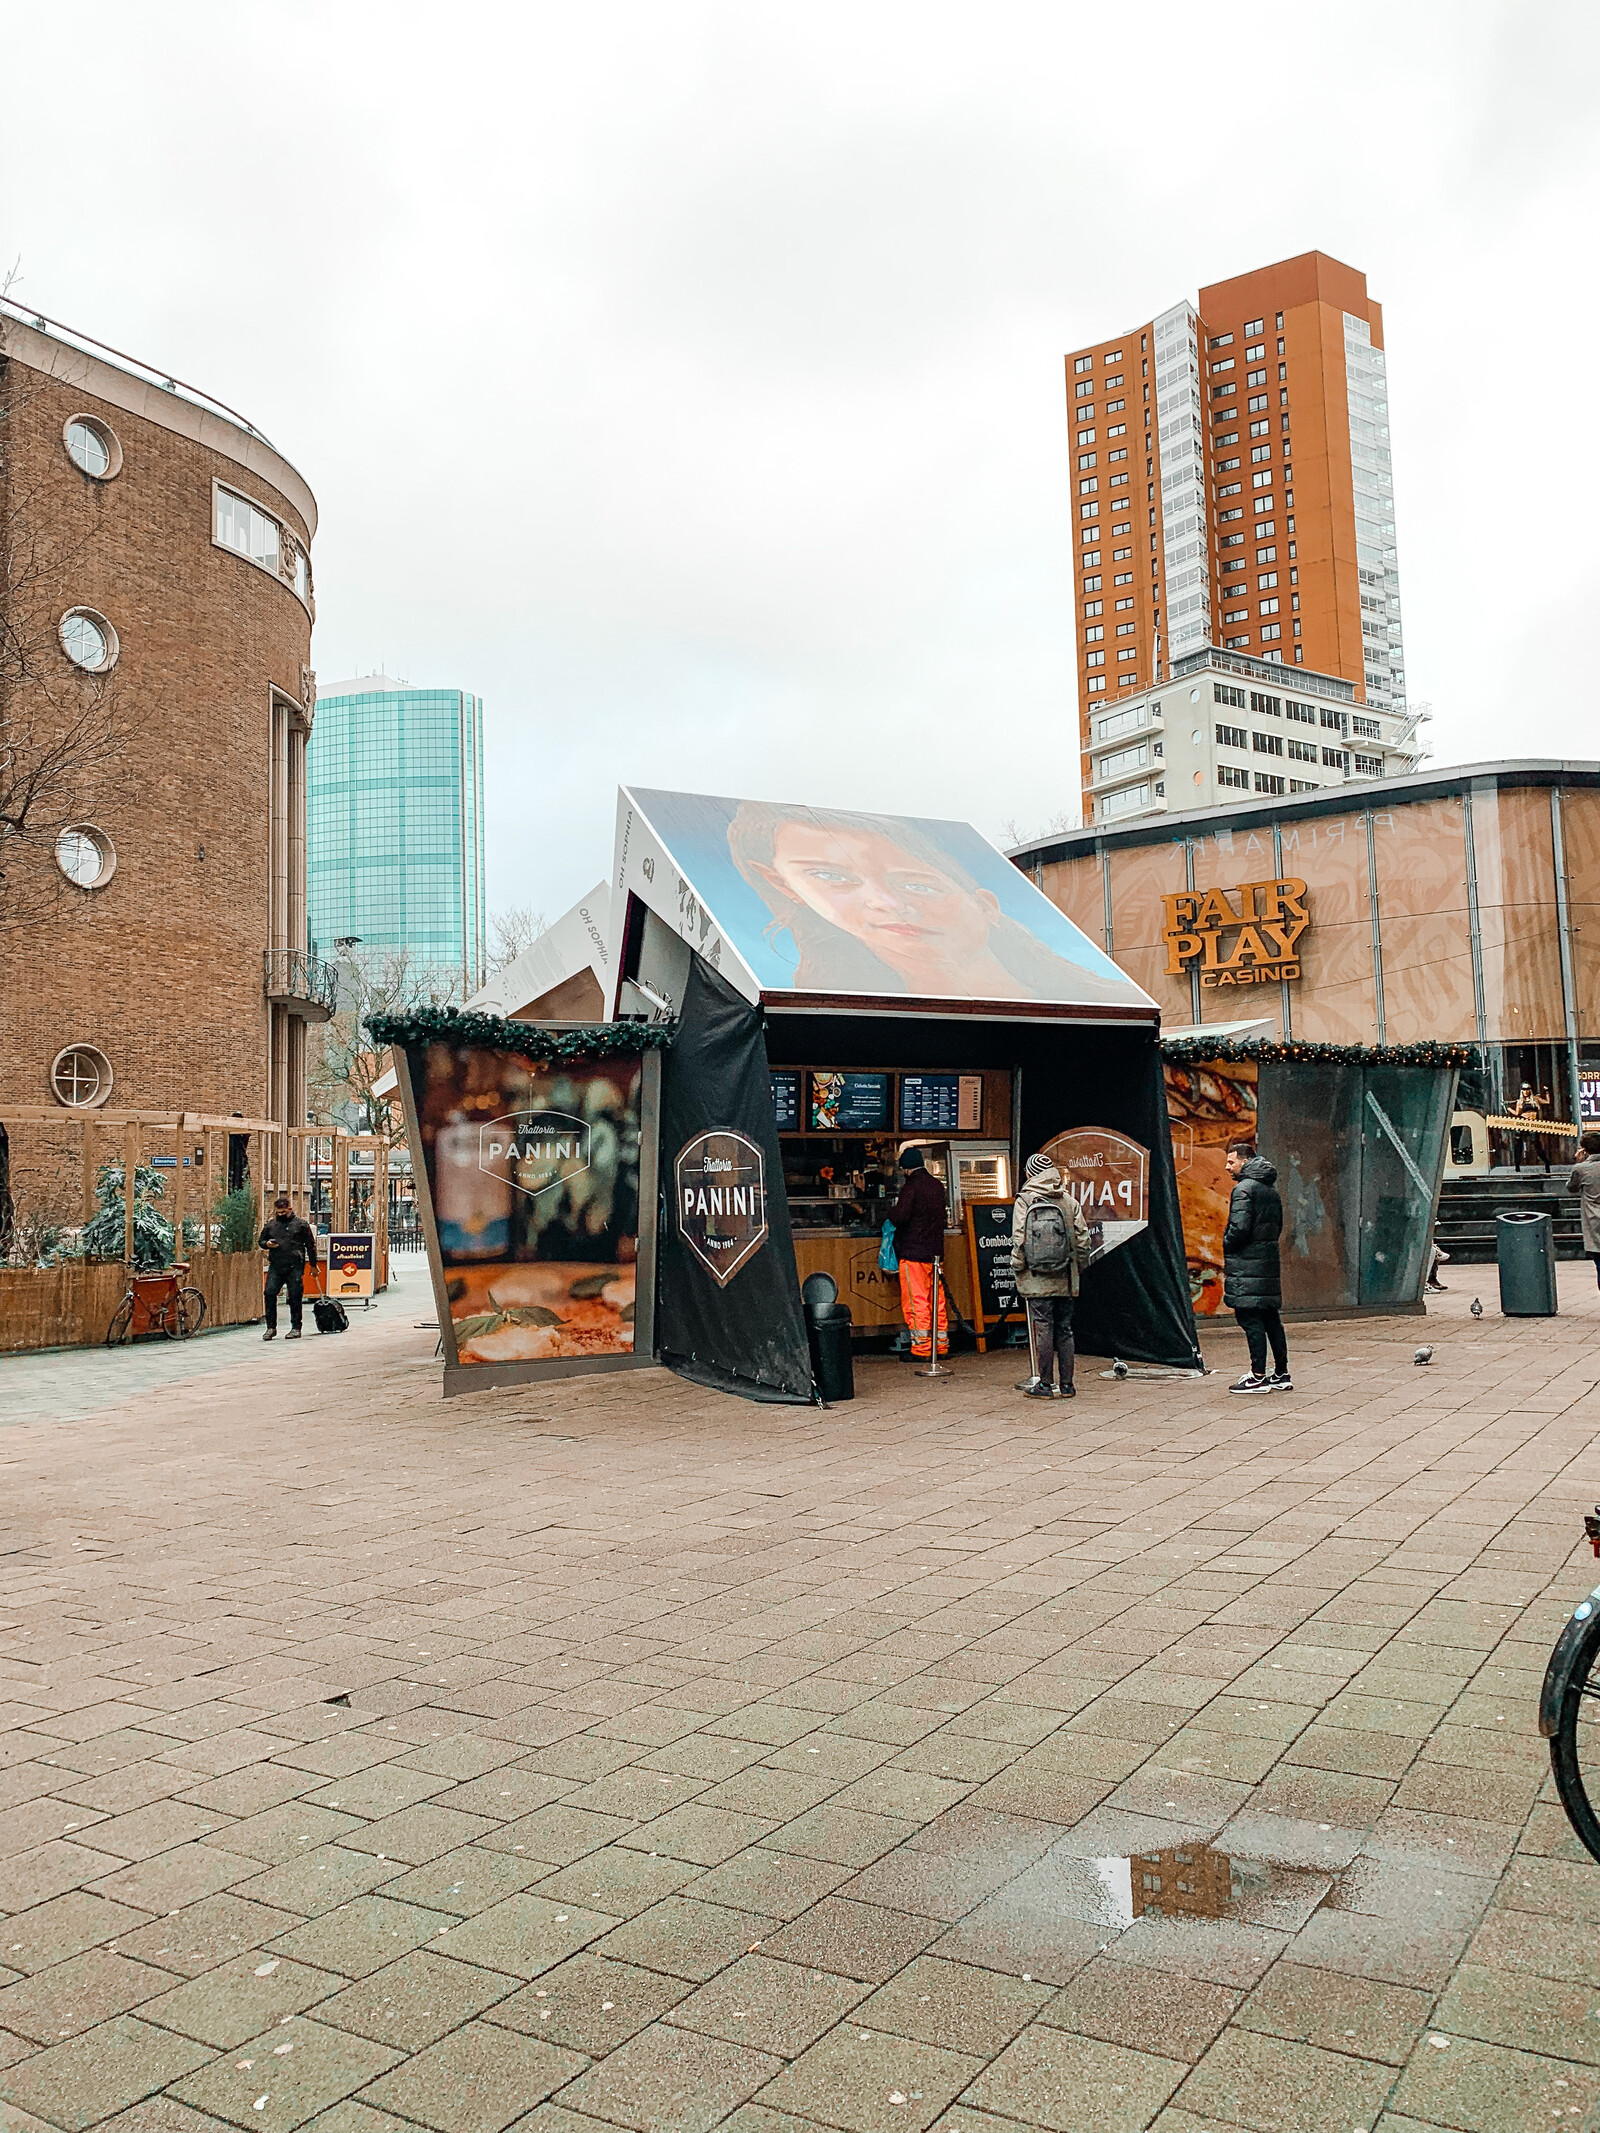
{"x":888,"y":1263}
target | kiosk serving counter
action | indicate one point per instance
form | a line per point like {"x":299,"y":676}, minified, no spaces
{"x":841,"y":1131}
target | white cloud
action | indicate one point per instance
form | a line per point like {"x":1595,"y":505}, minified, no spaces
{"x":688,"y":381}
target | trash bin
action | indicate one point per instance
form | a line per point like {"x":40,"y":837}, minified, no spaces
{"x":1525,"y":1251}
{"x":828,"y":1325}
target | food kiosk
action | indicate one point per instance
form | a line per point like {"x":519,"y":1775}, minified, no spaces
{"x":816,"y":990}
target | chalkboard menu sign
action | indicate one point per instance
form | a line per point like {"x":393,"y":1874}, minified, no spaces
{"x":849,"y":1103}
{"x":941,"y":1103}
{"x":994,"y":1291}
{"x":786,"y":1101}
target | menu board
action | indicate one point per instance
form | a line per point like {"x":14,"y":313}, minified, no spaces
{"x":786,"y":1101}
{"x":994,"y":1287}
{"x":941,"y":1103}
{"x":849,"y":1103}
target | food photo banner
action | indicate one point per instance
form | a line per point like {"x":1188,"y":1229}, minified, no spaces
{"x":534,"y":1173}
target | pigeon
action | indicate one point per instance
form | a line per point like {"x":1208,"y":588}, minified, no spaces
{"x":1119,"y":1369}
{"x":1477,"y":1308}
{"x":1423,"y":1355}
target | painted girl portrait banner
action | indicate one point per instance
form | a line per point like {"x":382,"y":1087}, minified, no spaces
{"x":817,"y":900}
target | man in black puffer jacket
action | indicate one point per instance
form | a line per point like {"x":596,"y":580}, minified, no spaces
{"x":1252,"y":1287}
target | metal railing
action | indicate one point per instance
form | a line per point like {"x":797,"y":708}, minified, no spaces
{"x":291,"y":975}
{"x":148,"y":373}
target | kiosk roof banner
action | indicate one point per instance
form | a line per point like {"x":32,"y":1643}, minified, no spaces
{"x":578,"y":940}
{"x":798,"y":904}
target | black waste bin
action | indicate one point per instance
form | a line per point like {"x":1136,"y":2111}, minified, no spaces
{"x":828,"y":1334}
{"x":1525,"y":1251}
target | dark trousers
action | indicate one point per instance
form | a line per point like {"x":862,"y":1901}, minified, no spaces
{"x":1594,"y":1260}
{"x":1050,"y":1336}
{"x":1541,"y":1148}
{"x":289,"y":1278}
{"x":1259,"y":1328}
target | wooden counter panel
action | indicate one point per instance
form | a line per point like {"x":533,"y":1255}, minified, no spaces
{"x":873,"y":1296}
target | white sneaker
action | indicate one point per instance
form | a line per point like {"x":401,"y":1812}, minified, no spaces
{"x":1251,"y":1383}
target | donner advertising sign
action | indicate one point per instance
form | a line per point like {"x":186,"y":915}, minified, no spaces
{"x":1247,"y":935}
{"x":721,"y":1197}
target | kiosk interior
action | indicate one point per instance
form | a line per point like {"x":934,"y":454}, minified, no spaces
{"x":831,"y":988}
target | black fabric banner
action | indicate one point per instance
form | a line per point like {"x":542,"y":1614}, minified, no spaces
{"x":1134,"y":1303}
{"x":729,"y":1312}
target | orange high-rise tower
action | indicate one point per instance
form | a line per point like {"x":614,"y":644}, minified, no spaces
{"x":1236,"y":585}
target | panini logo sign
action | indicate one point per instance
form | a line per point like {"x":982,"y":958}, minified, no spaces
{"x":721,"y":1183}
{"x":1252,"y":939}
{"x":534,"y":1151}
{"x":1108,"y":1174}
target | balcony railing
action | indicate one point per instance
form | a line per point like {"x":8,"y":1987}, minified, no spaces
{"x":302,"y":983}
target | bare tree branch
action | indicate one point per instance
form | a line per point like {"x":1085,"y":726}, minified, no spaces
{"x":342,"y":1065}
{"x":517,"y":927}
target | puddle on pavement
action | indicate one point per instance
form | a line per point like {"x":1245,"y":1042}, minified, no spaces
{"x":1195,"y":1881}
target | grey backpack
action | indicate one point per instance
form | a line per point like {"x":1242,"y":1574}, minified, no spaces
{"x":1047,"y":1238}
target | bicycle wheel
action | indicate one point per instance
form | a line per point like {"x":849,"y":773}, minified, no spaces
{"x":1569,"y":1717}
{"x":191,"y":1311}
{"x":121,"y":1320}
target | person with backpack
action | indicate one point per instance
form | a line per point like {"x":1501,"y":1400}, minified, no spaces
{"x":1252,"y":1282}
{"x":919,"y":1220}
{"x":290,"y":1244}
{"x":1049,"y":1244}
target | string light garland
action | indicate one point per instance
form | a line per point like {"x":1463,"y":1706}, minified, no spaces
{"x":496,"y":1033}
{"x":1429,"y":1053}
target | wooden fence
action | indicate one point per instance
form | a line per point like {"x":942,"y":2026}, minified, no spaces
{"x":70,"y":1306}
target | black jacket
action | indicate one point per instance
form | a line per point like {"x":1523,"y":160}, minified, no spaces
{"x":1250,"y":1276}
{"x":919,"y":1215}
{"x":287,"y":1241}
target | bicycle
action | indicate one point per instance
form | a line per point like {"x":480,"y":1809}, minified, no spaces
{"x":1569,"y":1710}
{"x":158,"y":1303}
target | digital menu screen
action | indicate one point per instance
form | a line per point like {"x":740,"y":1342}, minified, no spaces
{"x":786,"y":1101}
{"x":849,"y":1103}
{"x":941,"y":1103}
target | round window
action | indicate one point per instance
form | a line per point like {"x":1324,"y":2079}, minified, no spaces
{"x":86,"y":856}
{"x":88,"y":640}
{"x":81,"y":1077}
{"x":92,"y":447}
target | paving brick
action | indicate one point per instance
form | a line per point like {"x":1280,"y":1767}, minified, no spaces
{"x":76,"y":1994}
{"x":115,"y":2064}
{"x":205,"y":1935}
{"x":1073,"y":2084}
{"x":415,"y":2001}
{"x":284,"y":2077}
{"x":589,"y":2004}
{"x":665,"y":2076}
{"x":768,"y":2006}
{"x":239,"y":1999}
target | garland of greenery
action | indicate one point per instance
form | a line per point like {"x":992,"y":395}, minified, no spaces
{"x":476,"y":1032}
{"x":1184,"y":1050}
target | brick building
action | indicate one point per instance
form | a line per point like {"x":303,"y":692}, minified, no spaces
{"x":1235,"y":548}
{"x":160,"y":960}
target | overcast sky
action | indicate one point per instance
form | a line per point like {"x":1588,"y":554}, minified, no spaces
{"x":687,"y":380}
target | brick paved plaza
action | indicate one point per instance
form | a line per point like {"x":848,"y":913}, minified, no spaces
{"x":628,"y":1756}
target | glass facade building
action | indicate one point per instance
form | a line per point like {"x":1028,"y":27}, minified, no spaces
{"x":395,"y":824}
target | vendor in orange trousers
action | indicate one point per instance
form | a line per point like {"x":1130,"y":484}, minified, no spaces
{"x":919,"y":1216}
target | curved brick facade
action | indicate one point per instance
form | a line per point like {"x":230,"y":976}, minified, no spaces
{"x":162,"y":968}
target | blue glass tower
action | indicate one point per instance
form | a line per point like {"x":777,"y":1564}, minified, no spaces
{"x":394,"y":823}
